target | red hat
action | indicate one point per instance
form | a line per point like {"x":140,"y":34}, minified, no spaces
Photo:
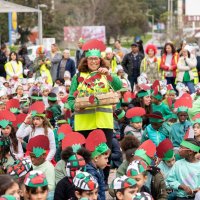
{"x":20,"y":118}
{"x":146,"y":151}
{"x":151,"y":46}
{"x":37,"y":108}
{"x":95,"y":138}
{"x":94,"y":44}
{"x":165,"y":150}
{"x":6,"y":117}
{"x":96,"y":143}
{"x":136,"y":111}
{"x":73,"y":139}
{"x":184,"y":101}
{"x":13,"y":105}
{"x":38,"y":145}
{"x":63,"y":130}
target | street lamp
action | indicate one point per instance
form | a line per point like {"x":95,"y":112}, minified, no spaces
{"x":40,"y":27}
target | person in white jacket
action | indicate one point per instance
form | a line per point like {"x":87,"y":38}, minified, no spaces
{"x":38,"y":125}
{"x":186,"y":68}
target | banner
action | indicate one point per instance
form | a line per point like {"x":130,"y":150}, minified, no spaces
{"x":73,"y":33}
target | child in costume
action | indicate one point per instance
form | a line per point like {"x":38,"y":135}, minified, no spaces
{"x":85,"y":186}
{"x":196,"y":127}
{"x":166,"y":153}
{"x":184,"y":175}
{"x":8,"y":131}
{"x":155,"y":181}
{"x":53,"y":107}
{"x":36,"y":185}
{"x":180,"y":128}
{"x":124,"y":187}
{"x":8,"y":186}
{"x":38,"y":147}
{"x":157,"y":130}
{"x":135,"y":128}
{"x":74,"y":158}
{"x":6,"y":158}
{"x":129,"y":144}
{"x":157,"y":103}
{"x":36,"y":124}
{"x":96,"y":144}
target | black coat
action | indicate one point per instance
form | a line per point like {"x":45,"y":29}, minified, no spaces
{"x":65,"y":190}
{"x":129,"y":68}
{"x":3,"y":60}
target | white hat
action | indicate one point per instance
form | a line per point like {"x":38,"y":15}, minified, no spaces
{"x":188,"y":48}
{"x":108,"y":50}
{"x":67,"y":74}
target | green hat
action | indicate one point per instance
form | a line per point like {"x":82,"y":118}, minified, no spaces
{"x":146,"y":151}
{"x":142,"y":93}
{"x":35,"y":179}
{"x":157,"y":96}
{"x":182,"y":109}
{"x":190,"y":146}
{"x":85,"y":181}
{"x":122,"y":182}
{"x":121,"y":115}
{"x":135,"y":168}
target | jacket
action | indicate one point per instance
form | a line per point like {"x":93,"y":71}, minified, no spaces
{"x":173,"y":64}
{"x":70,"y":66}
{"x":127,"y":64}
{"x":55,"y":62}
{"x":186,"y":65}
{"x":99,"y":176}
{"x":157,"y":184}
{"x":116,"y":155}
{"x":10,"y":71}
{"x":156,"y":136}
{"x":56,"y":111}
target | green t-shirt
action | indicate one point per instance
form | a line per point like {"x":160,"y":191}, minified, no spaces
{"x":186,"y":77}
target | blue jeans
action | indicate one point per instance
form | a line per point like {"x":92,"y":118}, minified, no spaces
{"x":132,"y":80}
{"x":171,"y":80}
{"x":190,"y":86}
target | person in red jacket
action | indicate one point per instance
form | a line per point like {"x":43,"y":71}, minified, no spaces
{"x":168,"y":63}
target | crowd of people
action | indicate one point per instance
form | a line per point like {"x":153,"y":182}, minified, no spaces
{"x":65,"y":124}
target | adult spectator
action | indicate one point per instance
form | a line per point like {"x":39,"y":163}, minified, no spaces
{"x":112,"y":58}
{"x":140,"y":45}
{"x":66,"y":64}
{"x":151,"y":64}
{"x":79,"y":52}
{"x":169,"y":62}
{"x":119,"y":50}
{"x":55,"y":58}
{"x":131,"y":64}
{"x":187,"y":68}
{"x":14,"y":68}
{"x":3,"y":60}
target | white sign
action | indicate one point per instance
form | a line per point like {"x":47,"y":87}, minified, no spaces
{"x":192,"y":7}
